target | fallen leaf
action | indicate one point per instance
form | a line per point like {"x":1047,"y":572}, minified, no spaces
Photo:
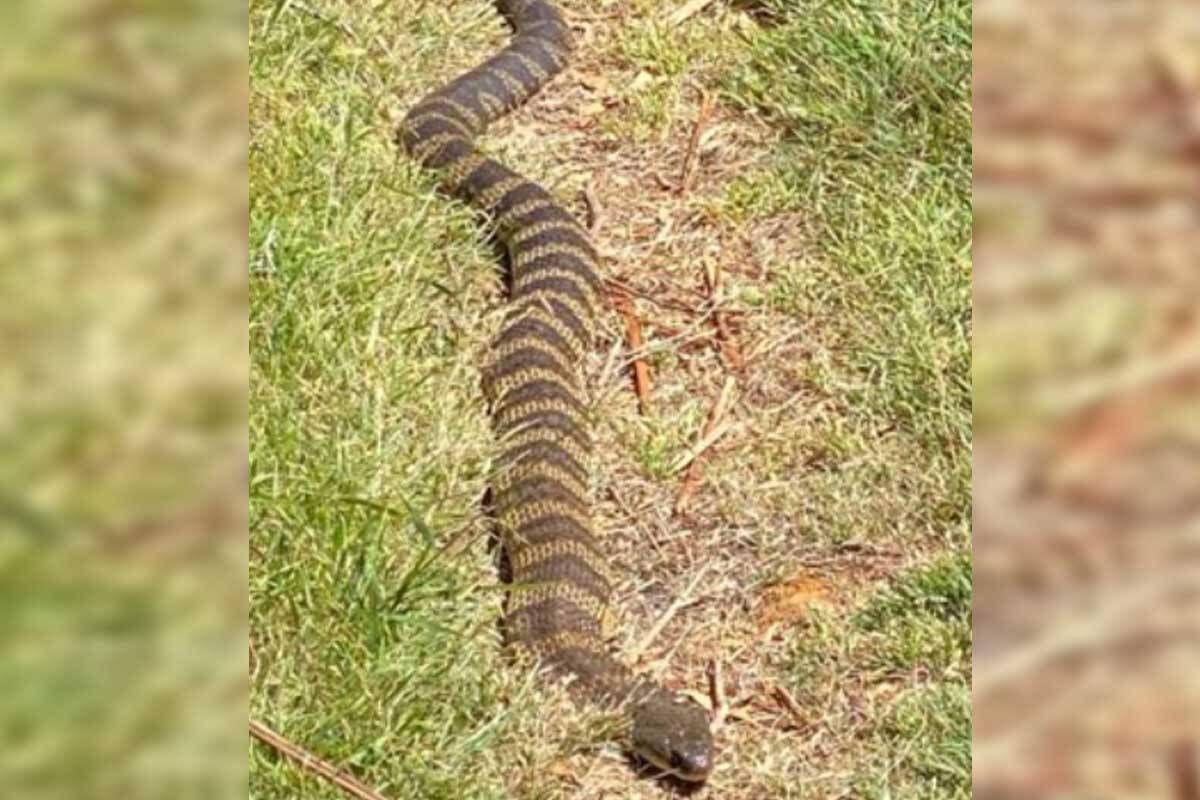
{"x":597,"y":83}
{"x":791,"y":601}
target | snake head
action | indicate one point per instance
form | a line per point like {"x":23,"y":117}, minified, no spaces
{"x":671,"y":733}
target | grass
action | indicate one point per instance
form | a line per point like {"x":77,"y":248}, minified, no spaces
{"x":832,"y":192}
{"x":891,"y":679}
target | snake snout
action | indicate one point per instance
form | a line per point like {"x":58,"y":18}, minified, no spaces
{"x":692,"y":764}
{"x":687,"y":759}
{"x":672,"y":734}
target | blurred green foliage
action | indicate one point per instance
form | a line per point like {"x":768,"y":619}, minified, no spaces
{"x":122,"y":489}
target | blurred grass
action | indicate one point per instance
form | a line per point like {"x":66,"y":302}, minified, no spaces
{"x":122,"y":205}
{"x":1087,"y":582}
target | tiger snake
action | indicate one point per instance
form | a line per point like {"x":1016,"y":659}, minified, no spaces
{"x":561,"y":582}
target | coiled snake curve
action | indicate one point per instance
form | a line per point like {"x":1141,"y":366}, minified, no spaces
{"x":560,"y":579}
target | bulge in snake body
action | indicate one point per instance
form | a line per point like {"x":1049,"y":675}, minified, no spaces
{"x":561,"y":583}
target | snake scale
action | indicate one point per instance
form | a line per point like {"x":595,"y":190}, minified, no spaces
{"x":560,"y":582}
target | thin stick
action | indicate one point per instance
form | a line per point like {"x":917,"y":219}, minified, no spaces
{"x":727,"y":345}
{"x":1186,"y":774}
{"x":687,"y":488}
{"x":312,"y":763}
{"x":595,"y":211}
{"x":689,"y":10}
{"x":714,"y":427}
{"x":708,"y":435}
{"x":717,"y":692}
{"x":791,"y":704}
{"x":683,"y":599}
{"x":662,"y":182}
{"x":633,"y":335}
{"x":693,"y":150}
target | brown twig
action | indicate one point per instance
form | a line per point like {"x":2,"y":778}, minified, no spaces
{"x":633,"y":335}
{"x":1185,"y":771}
{"x":595,"y":210}
{"x":662,"y":182}
{"x":312,"y":763}
{"x":726,"y":344}
{"x":693,"y":150}
{"x":716,"y":688}
{"x":713,"y":430}
{"x":790,"y":703}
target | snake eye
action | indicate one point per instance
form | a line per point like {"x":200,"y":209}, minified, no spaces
{"x":691,"y":766}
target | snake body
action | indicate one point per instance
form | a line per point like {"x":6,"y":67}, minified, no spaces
{"x":560,"y":581}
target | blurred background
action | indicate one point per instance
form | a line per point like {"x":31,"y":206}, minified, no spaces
{"x":123,"y":308}
{"x":1087,"y":426}
{"x":123,"y":398}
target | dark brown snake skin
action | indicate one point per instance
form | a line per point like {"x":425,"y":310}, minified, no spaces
{"x":560,"y":579}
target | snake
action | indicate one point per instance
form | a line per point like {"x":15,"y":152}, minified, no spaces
{"x":561,"y":582}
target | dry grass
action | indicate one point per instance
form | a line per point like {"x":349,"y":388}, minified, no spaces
{"x":832,"y":201}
